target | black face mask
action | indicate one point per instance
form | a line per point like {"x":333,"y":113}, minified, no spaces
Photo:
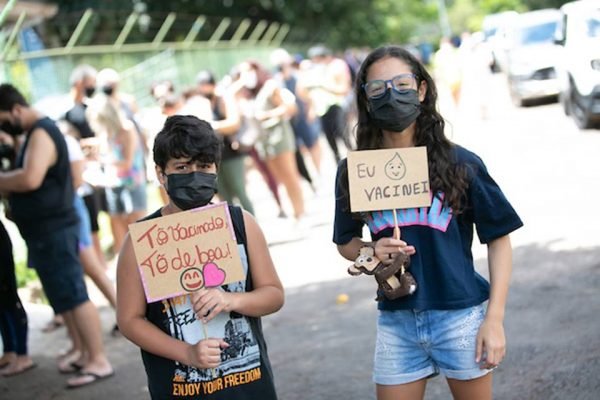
{"x":108,"y":90}
{"x":395,"y":111}
{"x":89,"y":91}
{"x":191,"y":190}
{"x":12,"y":129}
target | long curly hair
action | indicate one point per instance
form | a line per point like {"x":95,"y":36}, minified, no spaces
{"x":445,"y":175}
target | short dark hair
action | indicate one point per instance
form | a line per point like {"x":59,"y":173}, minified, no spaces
{"x":10,"y":96}
{"x":186,"y":136}
{"x":205,"y":77}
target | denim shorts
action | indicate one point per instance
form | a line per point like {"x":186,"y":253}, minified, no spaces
{"x":126,"y":199}
{"x":416,"y":344}
{"x":55,"y":258}
{"x":85,"y":227}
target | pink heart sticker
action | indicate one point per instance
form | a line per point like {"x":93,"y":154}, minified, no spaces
{"x":213,"y":275}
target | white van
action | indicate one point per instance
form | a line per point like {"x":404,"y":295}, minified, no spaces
{"x":532,"y":56}
{"x":579,"y":67}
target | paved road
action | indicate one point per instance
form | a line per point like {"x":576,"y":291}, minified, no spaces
{"x":323,"y":350}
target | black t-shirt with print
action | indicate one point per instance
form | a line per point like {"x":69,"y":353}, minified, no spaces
{"x":245,"y":371}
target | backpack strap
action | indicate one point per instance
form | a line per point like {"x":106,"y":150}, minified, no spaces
{"x":237,"y":219}
{"x":239,"y":227}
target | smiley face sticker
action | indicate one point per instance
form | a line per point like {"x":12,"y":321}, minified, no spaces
{"x":395,"y":168}
{"x":192,"y":279}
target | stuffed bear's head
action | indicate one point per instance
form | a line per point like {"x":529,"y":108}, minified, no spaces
{"x":366,"y":262}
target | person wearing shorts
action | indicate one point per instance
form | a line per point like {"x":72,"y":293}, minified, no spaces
{"x":447,"y":319}
{"x":305,"y":124}
{"x":66,"y":289}
{"x":41,"y":202}
{"x":272,"y":107}
{"x":123,"y":164}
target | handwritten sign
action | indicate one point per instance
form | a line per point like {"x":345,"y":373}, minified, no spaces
{"x":388,"y":179}
{"x":186,"y":251}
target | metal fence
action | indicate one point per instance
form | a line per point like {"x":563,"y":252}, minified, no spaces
{"x":208,"y":43}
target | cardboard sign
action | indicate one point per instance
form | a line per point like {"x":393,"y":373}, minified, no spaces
{"x":388,"y":179}
{"x":186,"y":251}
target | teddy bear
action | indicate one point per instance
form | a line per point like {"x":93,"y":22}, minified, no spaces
{"x":394,"y":280}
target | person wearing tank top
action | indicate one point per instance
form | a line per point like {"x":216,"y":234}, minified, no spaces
{"x":41,"y":201}
{"x":227,"y":357}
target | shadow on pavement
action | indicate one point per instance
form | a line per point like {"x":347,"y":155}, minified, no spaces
{"x":323,"y":350}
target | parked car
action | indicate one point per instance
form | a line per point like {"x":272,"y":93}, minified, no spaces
{"x":495,"y":28}
{"x":579,"y":67}
{"x":532,"y":56}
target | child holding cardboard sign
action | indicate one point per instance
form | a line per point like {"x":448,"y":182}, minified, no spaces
{"x":442,"y":326}
{"x":185,"y":356}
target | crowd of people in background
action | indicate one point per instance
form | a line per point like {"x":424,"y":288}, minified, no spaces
{"x":271,"y":117}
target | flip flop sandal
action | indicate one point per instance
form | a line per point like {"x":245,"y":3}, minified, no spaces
{"x":94,"y":378}
{"x":70,"y":368}
{"x":20,"y":371}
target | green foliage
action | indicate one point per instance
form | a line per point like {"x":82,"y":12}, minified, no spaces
{"x":541,"y":4}
{"x":24,"y":274}
{"x":338,"y":23}
{"x":465,"y":15}
{"x":495,"y":6}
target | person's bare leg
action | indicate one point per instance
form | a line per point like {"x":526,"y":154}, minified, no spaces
{"x":118,"y":223}
{"x":98,"y":250}
{"x":479,"y":388}
{"x":75,"y":355}
{"x":283,"y":167}
{"x":93,"y":269}
{"x":315,"y":155}
{"x":408,"y":391}
{"x":87,"y":322}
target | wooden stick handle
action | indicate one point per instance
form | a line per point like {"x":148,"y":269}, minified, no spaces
{"x":212,"y":370}
{"x":396,"y":227}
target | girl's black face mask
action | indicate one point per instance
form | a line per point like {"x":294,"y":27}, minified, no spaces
{"x":395,"y":110}
{"x":191,"y":190}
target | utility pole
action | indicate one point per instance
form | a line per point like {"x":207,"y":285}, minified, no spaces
{"x":443,"y":16}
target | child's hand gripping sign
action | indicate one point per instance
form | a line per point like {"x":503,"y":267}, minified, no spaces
{"x":388,"y":179}
{"x":186,"y":251}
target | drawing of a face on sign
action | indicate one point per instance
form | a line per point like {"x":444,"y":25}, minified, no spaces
{"x":192,"y":279}
{"x":395,"y":168}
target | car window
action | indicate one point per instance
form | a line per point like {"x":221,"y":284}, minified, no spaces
{"x":593,"y":26}
{"x":536,"y":34}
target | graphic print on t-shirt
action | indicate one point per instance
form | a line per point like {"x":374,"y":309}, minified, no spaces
{"x":240,"y":362}
{"x":435,"y":216}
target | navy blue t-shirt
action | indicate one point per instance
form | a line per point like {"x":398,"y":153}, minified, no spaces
{"x":443,"y":264}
